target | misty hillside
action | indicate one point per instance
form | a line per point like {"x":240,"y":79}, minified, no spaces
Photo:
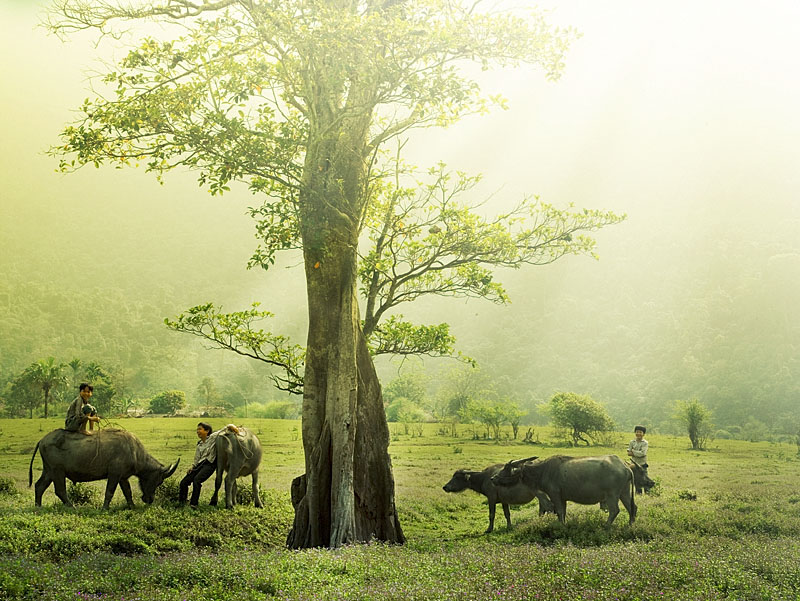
{"x":695,"y":295}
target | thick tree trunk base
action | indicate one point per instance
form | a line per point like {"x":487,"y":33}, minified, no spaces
{"x":374,"y":513}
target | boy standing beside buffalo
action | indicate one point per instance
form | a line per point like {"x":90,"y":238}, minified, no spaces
{"x":637,"y":451}
{"x":204,"y":464}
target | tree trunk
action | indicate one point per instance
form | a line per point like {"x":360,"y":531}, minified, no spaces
{"x":694,"y":437}
{"x":347,"y":492}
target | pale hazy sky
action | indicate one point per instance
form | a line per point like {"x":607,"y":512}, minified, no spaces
{"x":668,"y":111}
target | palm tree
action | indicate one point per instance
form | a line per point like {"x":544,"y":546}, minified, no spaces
{"x":76,"y":365}
{"x":46,"y":374}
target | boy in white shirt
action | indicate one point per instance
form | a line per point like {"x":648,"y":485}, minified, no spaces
{"x":637,"y":450}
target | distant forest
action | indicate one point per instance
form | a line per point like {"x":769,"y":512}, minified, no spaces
{"x":717,"y":321}
{"x":714,"y":318}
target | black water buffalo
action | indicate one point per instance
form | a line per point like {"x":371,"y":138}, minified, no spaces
{"x":506,"y":495}
{"x":239,"y":455}
{"x":585,"y":480}
{"x":114,"y":455}
{"x":640,"y":477}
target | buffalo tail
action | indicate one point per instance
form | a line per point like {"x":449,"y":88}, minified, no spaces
{"x":30,"y":468}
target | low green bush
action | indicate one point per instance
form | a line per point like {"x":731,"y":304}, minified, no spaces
{"x":8,"y":487}
{"x":244,"y":494}
{"x":169,"y":492}
{"x":80,"y":493}
{"x":126,"y":544}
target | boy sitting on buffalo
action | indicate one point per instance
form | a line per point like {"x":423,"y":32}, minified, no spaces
{"x":80,"y":412}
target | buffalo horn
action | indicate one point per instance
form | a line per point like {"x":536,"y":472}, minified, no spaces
{"x":168,"y":471}
{"x":517,"y":462}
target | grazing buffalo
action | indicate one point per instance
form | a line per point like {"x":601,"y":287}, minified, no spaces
{"x":640,"y":477}
{"x":114,"y":455}
{"x":239,"y":455}
{"x":585,"y":480}
{"x":506,"y":495}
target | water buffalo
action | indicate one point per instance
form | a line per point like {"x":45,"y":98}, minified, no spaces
{"x":585,"y":480}
{"x":506,"y":495}
{"x":239,"y":455}
{"x":114,"y":455}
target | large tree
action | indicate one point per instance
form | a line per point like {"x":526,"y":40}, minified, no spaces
{"x":297,"y":98}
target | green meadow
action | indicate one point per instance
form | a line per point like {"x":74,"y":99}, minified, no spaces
{"x":720,"y":524}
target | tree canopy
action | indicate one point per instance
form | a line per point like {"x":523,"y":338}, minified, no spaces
{"x":581,"y":415}
{"x":167,"y":110}
{"x":45,"y":375}
{"x":168,"y":401}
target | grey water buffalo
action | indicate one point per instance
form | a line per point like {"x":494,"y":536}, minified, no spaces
{"x":585,"y":480}
{"x":110,"y":454}
{"x":481,"y":482}
{"x":238,"y":455}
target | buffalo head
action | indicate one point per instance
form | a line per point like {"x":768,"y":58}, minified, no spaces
{"x":459,"y":482}
{"x":640,"y":478}
{"x":151,"y":480}
{"x":511,"y":472}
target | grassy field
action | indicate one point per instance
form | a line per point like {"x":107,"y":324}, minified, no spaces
{"x":721,"y":524}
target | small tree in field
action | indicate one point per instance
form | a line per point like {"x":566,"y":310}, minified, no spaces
{"x":168,"y":401}
{"x":514,"y":415}
{"x":492,"y":416}
{"x":207,"y":392}
{"x":581,"y":415}
{"x":696,"y":418}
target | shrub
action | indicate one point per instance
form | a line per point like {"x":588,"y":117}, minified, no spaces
{"x":244,"y":494}
{"x":271,"y":410}
{"x":66,"y":545}
{"x":277,"y":410}
{"x":127,"y":544}
{"x":8,"y":487}
{"x":404,"y":410}
{"x":168,"y":492}
{"x":80,"y":493}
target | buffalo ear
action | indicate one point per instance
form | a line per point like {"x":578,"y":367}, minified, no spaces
{"x":168,"y":471}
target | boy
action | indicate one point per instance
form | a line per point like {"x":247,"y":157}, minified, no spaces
{"x":637,"y":451}
{"x":204,"y":464}
{"x":80,"y":411}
